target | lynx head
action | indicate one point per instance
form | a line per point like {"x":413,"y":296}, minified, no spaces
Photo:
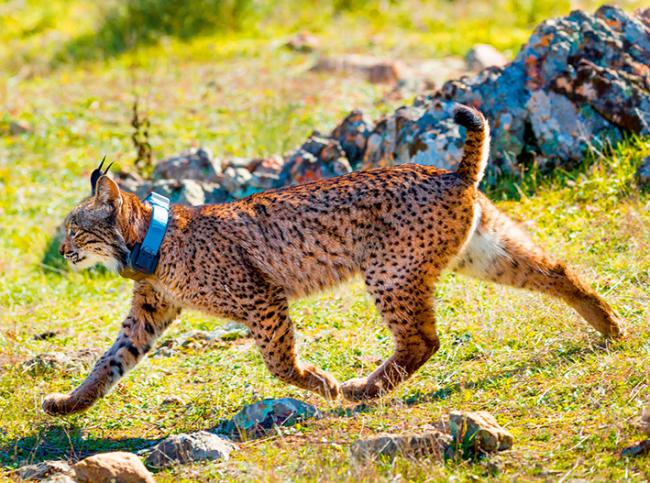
{"x":92,"y":232}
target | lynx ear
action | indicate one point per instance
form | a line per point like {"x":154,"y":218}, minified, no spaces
{"x":96,"y":174}
{"x":108,"y":193}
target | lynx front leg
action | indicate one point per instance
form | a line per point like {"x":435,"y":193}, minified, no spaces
{"x":149,"y":316}
{"x":500,"y":251}
{"x":273,"y":332}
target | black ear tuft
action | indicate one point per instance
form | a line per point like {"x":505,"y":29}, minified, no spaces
{"x":97,"y":173}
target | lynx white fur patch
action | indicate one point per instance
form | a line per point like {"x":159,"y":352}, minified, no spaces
{"x":480,"y":251}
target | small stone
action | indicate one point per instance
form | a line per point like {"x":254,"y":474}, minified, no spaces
{"x":14,"y":128}
{"x":260,"y":418}
{"x":172,"y":401}
{"x":48,"y":334}
{"x":478,"y":432}
{"x":230,"y":331}
{"x":430,"y":443}
{"x":47,"y":362}
{"x":186,"y":448}
{"x":643,"y":173}
{"x":373,"y":69}
{"x":638,"y":449}
{"x":483,"y":55}
{"x":111,"y":467}
{"x":44,"y":469}
{"x":303,"y":42}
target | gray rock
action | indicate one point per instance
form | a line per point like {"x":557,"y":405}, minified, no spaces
{"x":236,"y":181}
{"x":478,"y":432}
{"x":186,"y":448}
{"x":195,"y":164}
{"x":429,"y":443}
{"x":638,"y":449}
{"x":42,"y":470}
{"x":258,"y":419}
{"x":484,"y":55}
{"x":643,"y":180}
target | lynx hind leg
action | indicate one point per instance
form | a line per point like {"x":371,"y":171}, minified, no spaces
{"x":272,"y":330}
{"x":500,"y":251}
{"x":409,"y":315}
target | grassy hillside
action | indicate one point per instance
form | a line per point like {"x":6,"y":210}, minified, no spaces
{"x":567,"y":396}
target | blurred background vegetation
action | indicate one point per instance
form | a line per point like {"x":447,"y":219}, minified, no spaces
{"x":46,"y":34}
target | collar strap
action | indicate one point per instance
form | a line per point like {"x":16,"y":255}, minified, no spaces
{"x":144,"y":256}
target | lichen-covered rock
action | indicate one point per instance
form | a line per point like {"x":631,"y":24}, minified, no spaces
{"x":352,"y":134}
{"x":580,"y":81}
{"x":196,"y":164}
{"x":265,"y":172}
{"x":39,"y":471}
{"x":317,"y":158}
{"x":112,"y":467}
{"x":186,"y":448}
{"x":428,"y":443}
{"x":478,"y":432}
{"x":260,"y":418}
{"x":638,"y":449}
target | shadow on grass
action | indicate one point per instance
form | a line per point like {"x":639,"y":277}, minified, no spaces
{"x":64,"y":442}
{"x":572,"y":354}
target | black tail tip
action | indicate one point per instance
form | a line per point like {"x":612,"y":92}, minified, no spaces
{"x":469,"y":118}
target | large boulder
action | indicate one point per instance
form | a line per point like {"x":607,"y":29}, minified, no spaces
{"x":187,"y":448}
{"x":112,"y":467}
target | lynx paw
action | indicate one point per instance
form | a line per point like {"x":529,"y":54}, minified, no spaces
{"x":360,"y":389}
{"x":57,"y":404}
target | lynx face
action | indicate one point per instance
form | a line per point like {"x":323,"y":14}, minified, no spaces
{"x":92,"y":233}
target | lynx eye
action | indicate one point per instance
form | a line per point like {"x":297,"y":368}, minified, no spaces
{"x":71,"y":233}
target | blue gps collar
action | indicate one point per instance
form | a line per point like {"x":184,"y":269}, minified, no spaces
{"x":143,"y":258}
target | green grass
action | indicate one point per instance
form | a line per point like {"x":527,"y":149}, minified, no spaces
{"x":568,"y":397}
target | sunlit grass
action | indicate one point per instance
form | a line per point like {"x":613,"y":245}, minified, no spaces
{"x":568,"y":397}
